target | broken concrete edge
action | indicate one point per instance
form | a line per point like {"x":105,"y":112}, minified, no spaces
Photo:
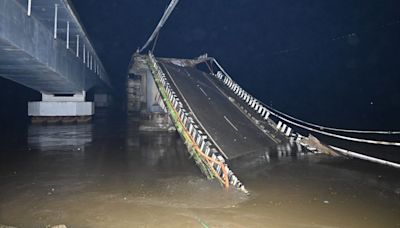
{"x":314,"y":142}
{"x":204,"y":164}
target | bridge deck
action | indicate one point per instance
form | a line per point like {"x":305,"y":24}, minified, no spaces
{"x":230,"y":129}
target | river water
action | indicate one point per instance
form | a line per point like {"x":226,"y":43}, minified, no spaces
{"x":107,"y":174}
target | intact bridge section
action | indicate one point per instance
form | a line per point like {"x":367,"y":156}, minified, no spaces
{"x":43,"y":46}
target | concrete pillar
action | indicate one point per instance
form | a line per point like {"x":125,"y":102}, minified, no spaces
{"x":61,"y":106}
{"x":153,"y":99}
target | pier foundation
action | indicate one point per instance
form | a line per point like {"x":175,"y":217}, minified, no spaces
{"x":144,"y":99}
{"x":61,"y":108}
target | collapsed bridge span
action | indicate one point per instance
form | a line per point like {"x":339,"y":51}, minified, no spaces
{"x":216,"y":124}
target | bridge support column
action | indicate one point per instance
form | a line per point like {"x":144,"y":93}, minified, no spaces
{"x":61,"y":108}
{"x":145,"y":98}
{"x":154,"y":116}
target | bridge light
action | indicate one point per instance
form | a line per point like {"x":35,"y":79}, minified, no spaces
{"x":29,"y":8}
{"x":91,"y":62}
{"x":67,"y":34}
{"x":77,"y":46}
{"x":55,"y":20}
{"x":84,"y":53}
{"x":88,"y":59}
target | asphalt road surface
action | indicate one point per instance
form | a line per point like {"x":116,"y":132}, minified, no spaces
{"x":233,"y":132}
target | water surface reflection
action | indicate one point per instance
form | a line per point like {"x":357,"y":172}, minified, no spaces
{"x":54,"y":137}
{"x":107,"y":174}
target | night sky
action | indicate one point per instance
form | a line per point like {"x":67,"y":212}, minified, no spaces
{"x":330,"y":62}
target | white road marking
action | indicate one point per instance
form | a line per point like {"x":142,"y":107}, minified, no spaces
{"x":227,"y":120}
{"x":203,"y":92}
{"x":224,"y":94}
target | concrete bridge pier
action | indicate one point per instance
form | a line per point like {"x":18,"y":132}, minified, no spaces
{"x":153,"y":114}
{"x":65,"y":108}
{"x":143,"y":97}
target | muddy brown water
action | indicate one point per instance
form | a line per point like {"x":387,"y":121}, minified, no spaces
{"x":107,"y":174}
